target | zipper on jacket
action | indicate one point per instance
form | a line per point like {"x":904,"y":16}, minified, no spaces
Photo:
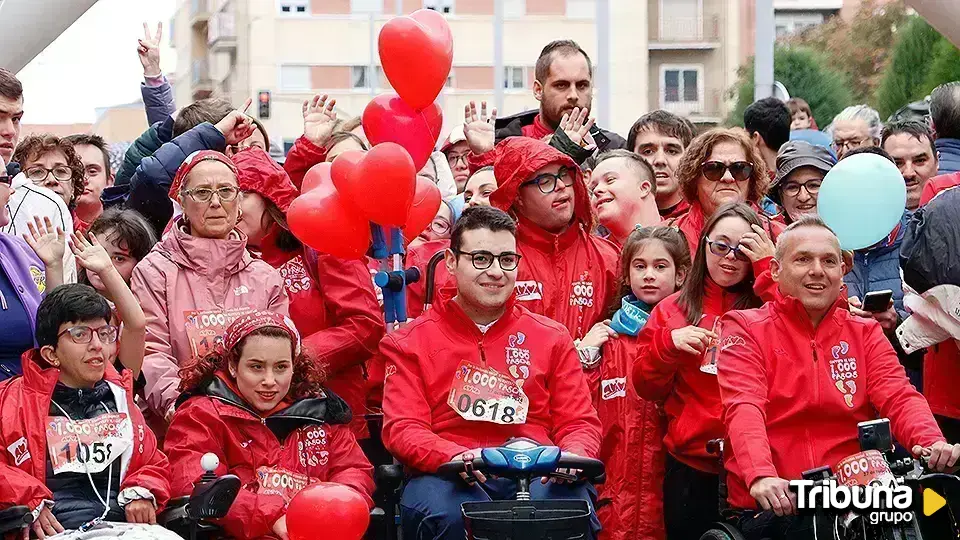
{"x":483,"y":356}
{"x":816,"y":394}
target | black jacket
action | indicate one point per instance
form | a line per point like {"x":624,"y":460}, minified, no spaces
{"x":512,"y":126}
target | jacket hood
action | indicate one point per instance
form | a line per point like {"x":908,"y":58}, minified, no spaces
{"x":257,"y":172}
{"x":327,"y":408}
{"x":517,"y":158}
{"x":206,"y":256}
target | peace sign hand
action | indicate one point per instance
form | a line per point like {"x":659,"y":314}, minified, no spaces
{"x":149,"y":50}
{"x":479,"y":129}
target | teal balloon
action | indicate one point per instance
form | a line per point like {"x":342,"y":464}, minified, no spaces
{"x":862,"y":199}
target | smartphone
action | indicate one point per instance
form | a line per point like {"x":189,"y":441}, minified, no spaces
{"x":877,"y":301}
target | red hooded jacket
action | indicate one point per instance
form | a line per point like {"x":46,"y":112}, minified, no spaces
{"x":690,"y":397}
{"x":425,"y":359}
{"x":333,"y":305}
{"x":570,"y":277}
{"x":24,"y":402}
{"x":301,"y":157}
{"x":631,"y":447}
{"x":793,"y":394}
{"x":305,"y":438}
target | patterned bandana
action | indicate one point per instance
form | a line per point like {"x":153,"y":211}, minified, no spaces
{"x":245,"y":325}
{"x":192,"y":161}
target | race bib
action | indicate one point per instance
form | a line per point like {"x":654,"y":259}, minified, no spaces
{"x":205,"y":328}
{"x":279,"y":481}
{"x":481,"y":394}
{"x":863,"y":469}
{"x":81,"y":446}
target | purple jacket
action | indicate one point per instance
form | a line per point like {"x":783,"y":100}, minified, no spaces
{"x":25,"y":271}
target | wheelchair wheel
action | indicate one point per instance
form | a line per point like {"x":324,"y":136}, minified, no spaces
{"x":722,"y":531}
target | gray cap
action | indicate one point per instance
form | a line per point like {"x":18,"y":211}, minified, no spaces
{"x":796,"y":154}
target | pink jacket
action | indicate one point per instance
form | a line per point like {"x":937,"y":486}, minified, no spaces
{"x":191,"y":289}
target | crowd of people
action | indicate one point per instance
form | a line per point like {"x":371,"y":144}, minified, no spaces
{"x":633,"y":298}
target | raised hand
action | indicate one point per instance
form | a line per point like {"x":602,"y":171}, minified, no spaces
{"x":237,"y":126}
{"x":577,"y":127}
{"x":756,"y":244}
{"x":149,"y":50}
{"x":47,"y":242}
{"x":319,"y":119}
{"x":692,"y":339}
{"x":479,"y":130}
{"x":90,"y":254}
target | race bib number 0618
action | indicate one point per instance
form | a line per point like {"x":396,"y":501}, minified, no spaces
{"x":483,"y":394}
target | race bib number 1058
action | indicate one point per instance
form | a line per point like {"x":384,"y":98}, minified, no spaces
{"x":483,"y":394}
{"x":87,"y":445}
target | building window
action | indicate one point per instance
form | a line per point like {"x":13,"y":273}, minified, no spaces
{"x":795,"y":22}
{"x":366,"y":6}
{"x":681,"y":85}
{"x":514,"y":9}
{"x":581,"y":9}
{"x":360,"y":77}
{"x":514,"y":77}
{"x":443,"y":6}
{"x":294,"y":7}
{"x":295,"y":78}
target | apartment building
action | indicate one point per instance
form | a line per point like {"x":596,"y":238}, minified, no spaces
{"x":676,"y":54}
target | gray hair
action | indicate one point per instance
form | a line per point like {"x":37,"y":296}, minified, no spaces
{"x":804,"y":221}
{"x":862,"y":112}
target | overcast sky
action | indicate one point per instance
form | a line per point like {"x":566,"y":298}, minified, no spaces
{"x":94,"y":63}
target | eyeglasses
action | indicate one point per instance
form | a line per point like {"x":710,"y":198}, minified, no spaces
{"x":793,"y":189}
{"x":714,"y":170}
{"x":839,"y":145}
{"x":548,"y":183}
{"x":61,"y":173}
{"x":454,"y":158}
{"x":81,"y":335}
{"x":721,"y":249}
{"x":440,"y":227}
{"x":484,"y":259}
{"x":202,"y":195}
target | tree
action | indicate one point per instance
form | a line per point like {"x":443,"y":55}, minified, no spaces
{"x":858,"y":48}
{"x":905,"y":77}
{"x":944,"y":68}
{"x":806,"y":75}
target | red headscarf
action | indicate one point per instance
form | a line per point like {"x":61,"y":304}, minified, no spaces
{"x":244,"y":326}
{"x":259,"y":173}
{"x":192,"y":161}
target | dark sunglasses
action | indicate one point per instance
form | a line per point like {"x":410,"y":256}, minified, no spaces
{"x":721,"y":249}
{"x":714,"y":170}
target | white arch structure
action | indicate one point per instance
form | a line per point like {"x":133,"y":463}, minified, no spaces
{"x":28,"y":26}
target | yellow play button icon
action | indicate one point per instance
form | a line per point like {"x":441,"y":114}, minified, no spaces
{"x":932,"y":501}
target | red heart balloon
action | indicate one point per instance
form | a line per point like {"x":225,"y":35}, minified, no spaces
{"x":417,"y":53}
{"x":380,"y":184}
{"x":322,"y":220}
{"x":333,"y":510}
{"x":318,"y":175}
{"x":426,"y":202}
{"x":388,"y":118}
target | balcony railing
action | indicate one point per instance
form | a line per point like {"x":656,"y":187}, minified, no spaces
{"x":709,"y":107}
{"x":222,"y":31}
{"x":687,"y":29}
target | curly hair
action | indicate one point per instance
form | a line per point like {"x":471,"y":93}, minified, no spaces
{"x":35,"y":146}
{"x":688,"y":173}
{"x":308,"y":374}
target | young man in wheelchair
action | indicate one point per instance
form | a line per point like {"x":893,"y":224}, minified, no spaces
{"x":473,"y":372}
{"x":797,"y":376}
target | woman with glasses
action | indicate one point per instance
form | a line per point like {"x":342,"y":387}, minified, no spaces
{"x":79,"y":453}
{"x":676,"y":363}
{"x":801,"y":167}
{"x":199,"y":277}
{"x":720,"y":166}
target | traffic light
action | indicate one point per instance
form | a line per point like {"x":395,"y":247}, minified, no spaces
{"x":264,"y":101}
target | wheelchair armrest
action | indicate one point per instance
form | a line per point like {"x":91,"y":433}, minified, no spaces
{"x":388,"y":476}
{"x":14,"y":518}
{"x":715,"y":447}
{"x":175,"y":511}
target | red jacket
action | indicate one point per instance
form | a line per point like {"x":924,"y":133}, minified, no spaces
{"x":691,"y":398}
{"x":305,"y":438}
{"x":937,"y":184}
{"x":301,"y":157}
{"x":691,"y":225}
{"x":631,"y":448}
{"x":423,"y":362}
{"x":793,"y":395}
{"x":570,"y":277}
{"x":24,"y":402}
{"x":678,"y":210}
{"x":333,"y":305}
{"x":419,"y":255}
